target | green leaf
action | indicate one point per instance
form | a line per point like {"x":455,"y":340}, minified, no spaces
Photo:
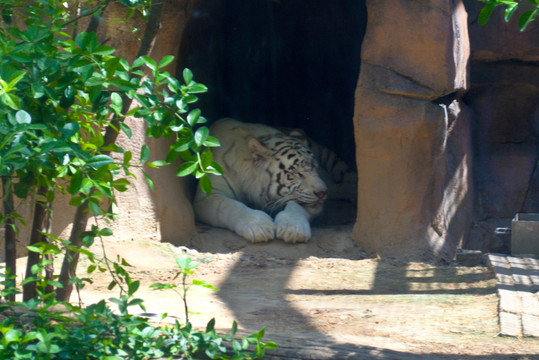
{"x":149,"y":62}
{"x":11,"y":100}
{"x":260,"y":333}
{"x":527,"y":18}
{"x":100,"y":160}
{"x":187,"y":168}
{"x":206,"y":158}
{"x":211,"y":325}
{"x":144,"y":153}
{"x":105,"y":232}
{"x":509,"y":11}
{"x":12,"y":335}
{"x":122,"y":84}
{"x":211,"y":142}
{"x":186,"y":264}
{"x":37,"y":90}
{"x":104,"y":50}
{"x":87,"y":238}
{"x":138,"y":62}
{"x":86,"y":40}
{"x":204,"y":284}
{"x":127,"y":157}
{"x":15,"y":78}
{"x":111,"y":66}
{"x":189,"y":99}
{"x":116,"y":99}
{"x":34,"y":249}
{"x":126,"y":129}
{"x":172,"y":155}
{"x":205,"y":184}
{"x":197,"y":89}
{"x":259,"y":350}
{"x":68,"y":97}
{"x":75,"y":184}
{"x":270,"y":345}
{"x":29,"y":336}
{"x":94,"y":208}
{"x":161,"y":286}
{"x":183,"y":143}
{"x":148,"y":180}
{"x":76,"y":201}
{"x":165,"y":61}
{"x":187,"y":76}
{"x":22,"y":117}
{"x":31,"y":279}
{"x":485,"y":13}
{"x":82,"y":64}
{"x":121,"y":184}
{"x":201,"y":135}
{"x":236,"y":346}
{"x":214,"y":168}
{"x":69,"y":130}
{"x":133,"y":287}
{"x":158,"y":163}
{"x":193,"y":116}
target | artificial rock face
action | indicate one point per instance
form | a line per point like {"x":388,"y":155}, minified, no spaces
{"x":405,"y":118}
{"x":441,"y":142}
{"x":503,"y":99}
{"x":164,"y":214}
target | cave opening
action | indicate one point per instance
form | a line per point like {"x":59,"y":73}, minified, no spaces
{"x":293,"y":63}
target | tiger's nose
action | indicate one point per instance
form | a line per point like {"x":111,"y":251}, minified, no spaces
{"x":321,"y":194}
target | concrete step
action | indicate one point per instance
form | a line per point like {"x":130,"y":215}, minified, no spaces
{"x":518,"y":290}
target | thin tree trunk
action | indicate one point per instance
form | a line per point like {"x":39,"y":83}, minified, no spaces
{"x":39,"y":224}
{"x":71,"y":259}
{"x":49,"y":268}
{"x":10,"y":236}
{"x":94,"y":20}
{"x":69,"y":265}
{"x":152,"y":27}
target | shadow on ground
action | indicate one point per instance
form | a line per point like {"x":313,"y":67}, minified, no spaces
{"x":328,"y":300}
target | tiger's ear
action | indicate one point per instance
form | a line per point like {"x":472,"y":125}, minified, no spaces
{"x":258,"y":151}
{"x":299,"y":135}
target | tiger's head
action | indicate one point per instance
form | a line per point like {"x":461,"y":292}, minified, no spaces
{"x":291,"y":172}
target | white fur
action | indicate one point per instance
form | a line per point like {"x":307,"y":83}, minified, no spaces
{"x":293,"y":223}
{"x":238,"y":196}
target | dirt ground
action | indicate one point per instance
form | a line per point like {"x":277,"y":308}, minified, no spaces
{"x":327,"y":291}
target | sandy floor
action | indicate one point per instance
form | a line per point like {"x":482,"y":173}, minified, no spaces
{"x":327,"y":290}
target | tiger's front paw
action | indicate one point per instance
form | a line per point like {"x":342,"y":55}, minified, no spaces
{"x":292,"y":228}
{"x":257,"y":226}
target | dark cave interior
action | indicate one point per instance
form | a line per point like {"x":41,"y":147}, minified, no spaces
{"x":293,"y":63}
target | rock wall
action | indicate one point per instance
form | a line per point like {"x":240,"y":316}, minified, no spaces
{"x":164,"y":214}
{"x":411,"y":131}
{"x":444,"y":157}
{"x":504,"y":100}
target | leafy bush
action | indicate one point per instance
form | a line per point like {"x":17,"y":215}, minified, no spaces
{"x":44,"y":328}
{"x":64,"y":97}
{"x":511,"y":7}
{"x":64,"y":101}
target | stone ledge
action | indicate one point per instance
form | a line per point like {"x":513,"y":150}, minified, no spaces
{"x":517,"y":285}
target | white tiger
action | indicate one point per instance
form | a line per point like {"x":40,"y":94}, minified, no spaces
{"x":266,"y":172}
